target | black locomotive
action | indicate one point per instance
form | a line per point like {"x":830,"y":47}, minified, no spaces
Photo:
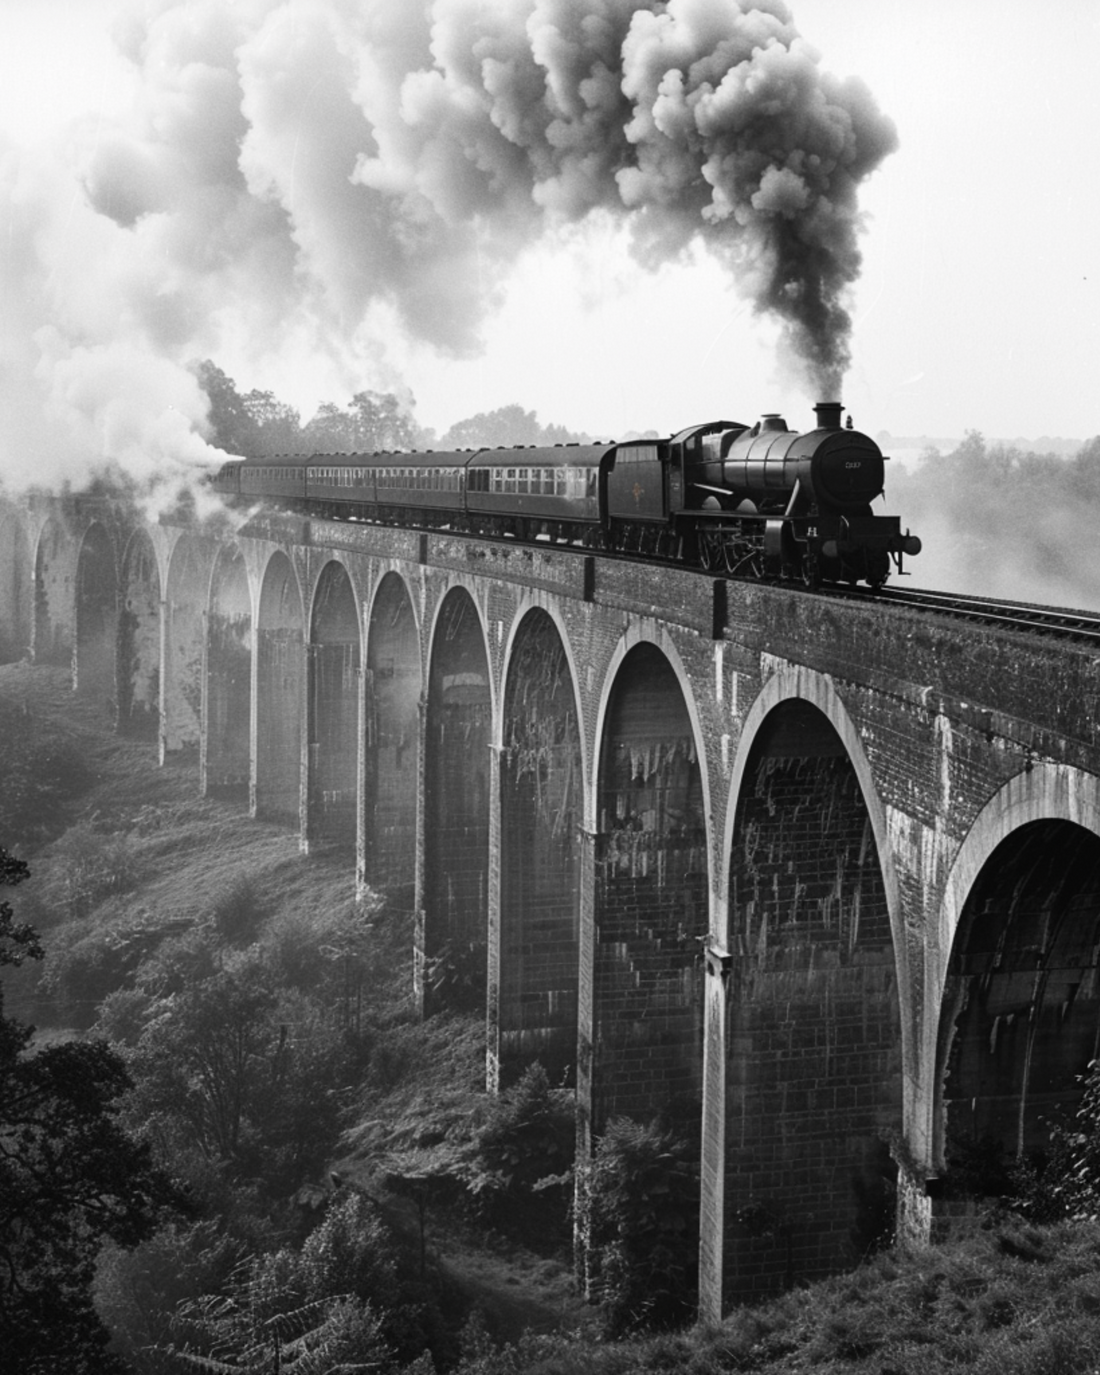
{"x":758,"y":501}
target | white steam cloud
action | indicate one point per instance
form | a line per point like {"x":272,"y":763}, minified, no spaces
{"x":307,"y":171}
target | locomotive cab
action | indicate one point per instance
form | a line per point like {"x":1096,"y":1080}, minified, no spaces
{"x":696,"y":457}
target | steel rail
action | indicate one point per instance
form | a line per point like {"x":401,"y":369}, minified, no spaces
{"x":1064,"y":622}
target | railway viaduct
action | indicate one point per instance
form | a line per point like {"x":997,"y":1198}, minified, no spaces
{"x":817,"y":881}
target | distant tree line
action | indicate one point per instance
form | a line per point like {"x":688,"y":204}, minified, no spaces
{"x":257,"y":423}
{"x":998,"y":520}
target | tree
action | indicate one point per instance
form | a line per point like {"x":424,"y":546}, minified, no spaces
{"x":70,"y":1179}
{"x":329,"y":432}
{"x":253,"y":424}
{"x":243,"y":1073}
{"x":277,"y":427}
{"x":232,"y":428}
{"x":372,"y":422}
{"x":507,"y":426}
{"x":18,"y":940}
{"x":381,"y":423}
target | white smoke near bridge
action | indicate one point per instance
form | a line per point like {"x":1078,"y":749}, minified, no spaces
{"x":309,"y":176}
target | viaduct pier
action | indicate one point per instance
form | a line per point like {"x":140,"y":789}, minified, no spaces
{"x":818,"y":880}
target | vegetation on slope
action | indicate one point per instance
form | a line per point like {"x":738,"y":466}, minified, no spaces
{"x":352,"y":1194}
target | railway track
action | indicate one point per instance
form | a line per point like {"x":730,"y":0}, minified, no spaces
{"x":1083,"y":626}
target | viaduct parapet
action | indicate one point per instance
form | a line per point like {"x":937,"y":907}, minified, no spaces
{"x":817,"y":881}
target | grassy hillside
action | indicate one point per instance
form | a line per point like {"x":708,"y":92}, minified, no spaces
{"x":125,"y":854}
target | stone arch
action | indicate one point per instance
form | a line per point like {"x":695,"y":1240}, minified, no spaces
{"x":335,"y":658}
{"x":542,"y":809}
{"x":187,"y":589}
{"x":227,"y":734}
{"x":139,"y":639}
{"x":394,"y":684}
{"x":16,"y":587}
{"x":458,"y":735}
{"x":280,"y":692}
{"x":1018,"y":997}
{"x":53,"y":595}
{"x":651,"y":892}
{"x":796,"y":682}
{"x":815,"y":995}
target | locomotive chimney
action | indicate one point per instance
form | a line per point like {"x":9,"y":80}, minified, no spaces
{"x":828,"y":415}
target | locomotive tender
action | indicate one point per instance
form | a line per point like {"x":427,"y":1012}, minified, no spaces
{"x":756,"y":502}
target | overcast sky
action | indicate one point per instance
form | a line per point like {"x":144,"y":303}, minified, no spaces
{"x":977,"y":307}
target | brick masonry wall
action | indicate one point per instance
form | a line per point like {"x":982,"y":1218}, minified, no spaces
{"x":96,"y":650}
{"x":54,"y":628}
{"x":393,"y":740}
{"x":542,"y":806}
{"x":814,"y":1042}
{"x":333,"y":722}
{"x":16,"y":584}
{"x":651,"y":907}
{"x":138,"y":670}
{"x":280,"y":688}
{"x":226,"y":759}
{"x":186,"y":590}
{"x":456,"y":806}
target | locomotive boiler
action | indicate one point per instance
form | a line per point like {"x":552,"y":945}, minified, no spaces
{"x":759,"y":501}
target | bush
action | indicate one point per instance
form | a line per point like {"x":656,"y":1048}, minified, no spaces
{"x":639,"y":1205}
{"x":266,"y":1319}
{"x":1067,"y":1183}
{"x":524,"y":1152}
{"x":89,"y":865}
{"x":42,"y":771}
{"x":85,"y":969}
{"x":137,"y":1292}
{"x":236,"y":911}
{"x":353,"y":1251}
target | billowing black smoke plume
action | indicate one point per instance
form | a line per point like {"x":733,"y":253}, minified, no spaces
{"x":310,"y":174}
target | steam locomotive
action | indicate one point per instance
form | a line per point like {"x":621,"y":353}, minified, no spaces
{"x":759,"y":501}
